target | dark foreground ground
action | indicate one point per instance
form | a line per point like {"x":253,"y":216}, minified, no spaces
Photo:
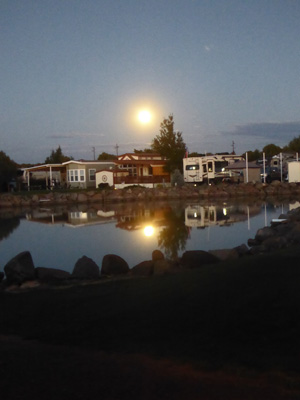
{"x":229,"y":331}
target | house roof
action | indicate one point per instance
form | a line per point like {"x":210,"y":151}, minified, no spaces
{"x":140,"y":157}
{"x":44,"y":167}
{"x":84,"y":162}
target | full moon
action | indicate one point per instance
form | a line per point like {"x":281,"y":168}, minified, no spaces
{"x":144,"y":116}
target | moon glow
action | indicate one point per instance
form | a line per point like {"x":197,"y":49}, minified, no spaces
{"x":144,"y":116}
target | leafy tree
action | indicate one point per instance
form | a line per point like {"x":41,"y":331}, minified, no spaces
{"x":57,"y":157}
{"x":106,"y":156}
{"x":170,"y":144}
{"x":143,"y":151}
{"x":172,"y":238}
{"x":271,"y":150}
{"x":195,"y":154}
{"x":294,"y":145}
{"x":253,"y":155}
{"x":8,"y":171}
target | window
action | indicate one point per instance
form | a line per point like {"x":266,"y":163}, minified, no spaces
{"x":92,"y":174}
{"x":76,"y":175}
{"x":220,"y":165}
{"x":192,"y":167}
{"x":131,"y":168}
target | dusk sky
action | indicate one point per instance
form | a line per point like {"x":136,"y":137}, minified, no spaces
{"x":75,"y":73}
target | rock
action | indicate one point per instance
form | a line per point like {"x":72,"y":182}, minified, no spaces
{"x":20,"y":268}
{"x":85,"y":268}
{"x":257,"y":249}
{"x":242,"y":250}
{"x":157,"y":255}
{"x":162,"y":267}
{"x":114,"y":265}
{"x":264,"y":233}
{"x":82,"y":198}
{"x":51,"y":274}
{"x":274,"y":243}
{"x":253,"y":242}
{"x":197,"y":258}
{"x":144,"y":268}
{"x":225,"y":254}
{"x":1,"y":276}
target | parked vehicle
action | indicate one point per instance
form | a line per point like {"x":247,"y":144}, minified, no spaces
{"x":271,"y":174}
{"x":207,"y":168}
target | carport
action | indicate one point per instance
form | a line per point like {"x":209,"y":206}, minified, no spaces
{"x":48,"y":169}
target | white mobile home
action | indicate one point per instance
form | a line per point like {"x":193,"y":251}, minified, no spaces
{"x":206,"y":168}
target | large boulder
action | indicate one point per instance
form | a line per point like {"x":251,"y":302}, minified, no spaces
{"x":264,"y":233}
{"x":144,"y":268}
{"x":162,"y":267}
{"x":198,"y":258}
{"x":51,"y":274}
{"x":225,"y":254}
{"x":157,"y":255}
{"x":20,"y":268}
{"x":114,"y":265}
{"x":85,"y":268}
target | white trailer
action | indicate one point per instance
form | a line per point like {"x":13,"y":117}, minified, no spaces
{"x":207,"y":168}
{"x":294,"y":171}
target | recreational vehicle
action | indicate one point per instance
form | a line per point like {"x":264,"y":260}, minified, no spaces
{"x":207,"y":168}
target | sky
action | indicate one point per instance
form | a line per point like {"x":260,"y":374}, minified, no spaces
{"x":75,"y":74}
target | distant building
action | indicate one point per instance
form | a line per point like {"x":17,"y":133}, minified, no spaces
{"x":144,"y":169}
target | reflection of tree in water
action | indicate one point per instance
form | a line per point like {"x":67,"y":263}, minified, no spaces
{"x":172,"y":238}
{"x":7,"y":226}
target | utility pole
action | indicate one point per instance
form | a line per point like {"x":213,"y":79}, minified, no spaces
{"x":233,"y":149}
{"x":117,"y":148}
{"x":93,"y":149}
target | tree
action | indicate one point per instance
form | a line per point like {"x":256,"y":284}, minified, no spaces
{"x":106,"y":156}
{"x":170,"y":144}
{"x":253,"y":155}
{"x":271,"y":150}
{"x":294,"y":145}
{"x":172,"y":238}
{"x":147,"y":151}
{"x":195,"y":154}
{"x":57,"y":157}
{"x":8,"y":171}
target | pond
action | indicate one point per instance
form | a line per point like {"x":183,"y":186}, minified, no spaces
{"x":58,"y":236}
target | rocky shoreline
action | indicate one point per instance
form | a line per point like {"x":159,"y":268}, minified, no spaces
{"x":220,"y":191}
{"x":21,"y":274}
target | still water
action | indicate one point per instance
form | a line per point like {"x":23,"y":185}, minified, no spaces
{"x":58,"y":236}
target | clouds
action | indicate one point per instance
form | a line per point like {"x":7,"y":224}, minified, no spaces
{"x":81,"y":135}
{"x":271,"y":131}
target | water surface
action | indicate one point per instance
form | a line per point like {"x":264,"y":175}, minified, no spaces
{"x":58,"y":236}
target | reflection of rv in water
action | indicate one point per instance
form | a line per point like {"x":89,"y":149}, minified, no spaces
{"x":206,"y":168}
{"x":197,"y":216}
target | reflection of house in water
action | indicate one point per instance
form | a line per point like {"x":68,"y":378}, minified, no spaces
{"x":198,"y":216}
{"x":137,"y":218}
{"x":128,"y":218}
{"x":74,"y":218}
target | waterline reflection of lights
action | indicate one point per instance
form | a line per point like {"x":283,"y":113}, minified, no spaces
{"x":148,"y":230}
